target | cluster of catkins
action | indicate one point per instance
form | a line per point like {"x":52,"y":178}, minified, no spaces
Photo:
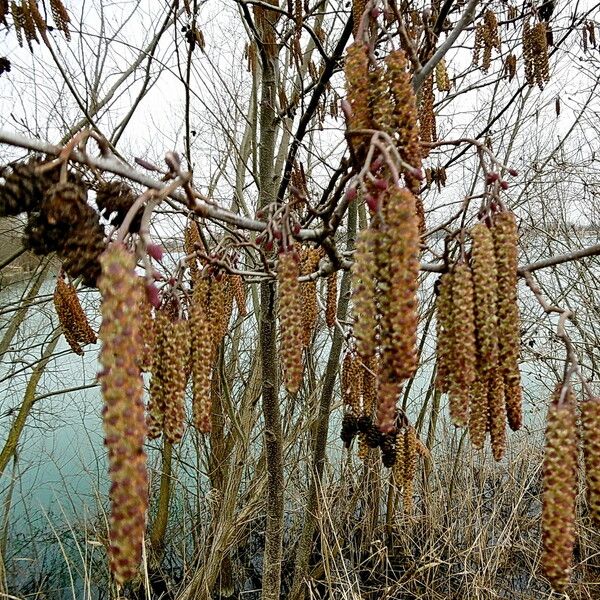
{"x":59,"y":218}
{"x":28,"y":21}
{"x":560,"y":470}
{"x":72,"y":318}
{"x":535,"y":54}
{"x":487,"y":37}
{"x":478,"y":335}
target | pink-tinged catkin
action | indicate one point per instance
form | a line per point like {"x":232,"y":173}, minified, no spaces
{"x":590,"y":422}
{"x":123,"y":414}
{"x":290,"y":320}
{"x":559,"y":490}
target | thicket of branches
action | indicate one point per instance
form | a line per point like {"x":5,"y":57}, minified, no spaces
{"x":348,"y":244}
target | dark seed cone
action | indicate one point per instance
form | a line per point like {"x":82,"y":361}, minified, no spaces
{"x":590,"y":422}
{"x":201,"y":357}
{"x":331,"y":300}
{"x":349,"y":429}
{"x":509,"y":339}
{"x":479,"y":409}
{"x":123,"y":413}
{"x":290,"y":320}
{"x":23,"y":188}
{"x":486,"y":295}
{"x":156,"y":402}
{"x":114,"y":199}
{"x":73,"y":321}
{"x":445,"y":337}
{"x":174,"y":377}
{"x":560,"y":488}
{"x":388,"y":449}
{"x":464,"y":349}
{"x":373,"y":437}
{"x":497,"y":414}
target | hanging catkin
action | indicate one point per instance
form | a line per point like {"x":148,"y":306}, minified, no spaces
{"x":290,"y":320}
{"x":590,"y":422}
{"x":123,"y":414}
{"x":156,"y":402}
{"x":559,"y":489}
{"x":444,"y":333}
{"x":509,"y":337}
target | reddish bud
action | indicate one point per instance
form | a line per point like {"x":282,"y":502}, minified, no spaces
{"x":277,"y":234}
{"x":375,"y":12}
{"x":376,"y":164}
{"x":153,"y":295}
{"x":491,"y":178}
{"x":372,"y":202}
{"x":381,"y":184}
{"x":296,"y":228}
{"x":156,"y":251}
{"x":351,"y":194}
{"x":418,"y":173}
{"x":504,"y":184}
{"x":513,"y":172}
{"x":269,"y":245}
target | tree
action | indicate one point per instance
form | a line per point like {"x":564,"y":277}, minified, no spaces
{"x":352,"y":151}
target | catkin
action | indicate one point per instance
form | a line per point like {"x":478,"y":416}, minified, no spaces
{"x":201,"y":356}
{"x":356,"y":69}
{"x":497,"y":413}
{"x":123,"y":414}
{"x":352,"y":382}
{"x":156,"y":402}
{"x":478,"y":411}
{"x":290,"y":320}
{"x":559,"y":490}
{"x":509,"y":338}
{"x":441,"y":76}
{"x":590,"y":424}
{"x":464,"y":348}
{"x":486,"y":294}
{"x":239,"y":294}
{"x":444,"y":325}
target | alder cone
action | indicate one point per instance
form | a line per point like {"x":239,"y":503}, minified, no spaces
{"x":123,"y":413}
{"x":23,"y":188}
{"x":114,"y":199}
{"x":590,"y":422}
{"x":290,"y":320}
{"x":464,"y":349}
{"x":559,"y":490}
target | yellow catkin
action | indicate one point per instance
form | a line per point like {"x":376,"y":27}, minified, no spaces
{"x":509,"y":337}
{"x":486,"y":294}
{"x":201,"y":356}
{"x":444,"y":326}
{"x":381,"y":102}
{"x":442,"y":80}
{"x":174,"y":376}
{"x":363,"y":294}
{"x":358,"y":9}
{"x":497,"y":413}
{"x":356,"y":69}
{"x":401,"y":319}
{"x":290,"y":320}
{"x":464,"y":347}
{"x":123,"y":414}
{"x":410,"y":468}
{"x":590,"y":422}
{"x":220,"y":307}
{"x":559,"y":490}
{"x":331,"y":300}
{"x":156,"y":402}
{"x":308,"y":292}
{"x":147,"y":332}
{"x":399,"y":468}
{"x":352,"y":382}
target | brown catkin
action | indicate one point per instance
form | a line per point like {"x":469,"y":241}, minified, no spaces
{"x":590,"y":425}
{"x":239,"y":293}
{"x":356,"y":69}
{"x":363,"y":293}
{"x":400,"y":320}
{"x":308,"y":292}
{"x":358,"y":9}
{"x":478,"y":411}
{"x":352,"y":382}
{"x":331,"y":300}
{"x":410,"y":467}
{"x":464,"y":348}
{"x":559,"y":489}
{"x":61,"y":17}
{"x":73,"y":321}
{"x":174,"y":377}
{"x":147,"y":329}
{"x":369,"y":385}
{"x":497,"y":413}
{"x":387,"y":396}
{"x":486,"y":294}
{"x":123,"y":413}
{"x":427,"y":123}
{"x":444,"y":326}
{"x":509,"y":337}
{"x":156,"y":402}
{"x":290,"y":320}
{"x":192,"y":241}
{"x":201,"y":356}
{"x":442,"y":80}
{"x":399,"y":468}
